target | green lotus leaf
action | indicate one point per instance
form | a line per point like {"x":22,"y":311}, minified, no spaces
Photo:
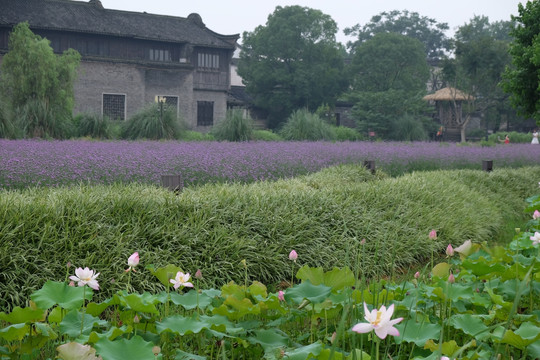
{"x":418,"y":333}
{"x":46,"y":330}
{"x":182,"y":355}
{"x":143,"y":303}
{"x":441,"y":270}
{"x":338,"y":279}
{"x":59,"y":293}
{"x":528,"y":331}
{"x":23,"y":315}
{"x":269,"y":339}
{"x":306,"y":290}
{"x":325,"y":355}
{"x":257,"y":289}
{"x":358,"y":354}
{"x":470,"y":325}
{"x":181,"y":325}
{"x":96,"y":309}
{"x":534,"y":350}
{"x":110,"y":334}
{"x":304,"y":352}
{"x":314,"y":275}
{"x":71,"y":324}
{"x":189,"y":300}
{"x":511,"y":338}
{"x":483,"y":267}
{"x":164,"y":274}
{"x":15,"y":332}
{"x":134,"y":348}
{"x":233,"y":289}
{"x":498,"y":299}
{"x":56,"y":315}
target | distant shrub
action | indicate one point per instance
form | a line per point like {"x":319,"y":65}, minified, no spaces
{"x":303,"y":125}
{"x":190,"y":135}
{"x":153,"y":123}
{"x":407,"y":128}
{"x":36,"y":119}
{"x":93,"y":125}
{"x":344,"y":133}
{"x":515,"y":137}
{"x":266,"y":135}
{"x":237,"y":126}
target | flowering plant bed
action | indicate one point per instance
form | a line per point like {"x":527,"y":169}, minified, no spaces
{"x":27,"y":163}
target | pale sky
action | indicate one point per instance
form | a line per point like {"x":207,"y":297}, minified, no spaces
{"x":236,"y":16}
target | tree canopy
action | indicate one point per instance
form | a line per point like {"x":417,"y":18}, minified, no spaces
{"x":481,"y":55}
{"x":292,"y":62}
{"x":32,"y":72}
{"x":426,"y":30}
{"x":522,"y":79}
{"x":389,"y":74}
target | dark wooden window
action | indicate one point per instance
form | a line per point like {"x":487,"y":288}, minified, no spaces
{"x":205,"y":113}
{"x":159,"y":55}
{"x":208,"y":61}
{"x":114,"y":106}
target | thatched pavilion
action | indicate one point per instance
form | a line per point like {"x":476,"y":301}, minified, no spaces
{"x":448,"y":102}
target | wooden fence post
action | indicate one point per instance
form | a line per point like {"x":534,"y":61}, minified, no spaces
{"x":370,"y":165}
{"x":172,"y":182}
{"x":487,"y":165}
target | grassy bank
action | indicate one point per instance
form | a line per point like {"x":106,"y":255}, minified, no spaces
{"x":323,"y":216}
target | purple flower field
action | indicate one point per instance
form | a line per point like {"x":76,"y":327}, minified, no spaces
{"x":26,"y":163}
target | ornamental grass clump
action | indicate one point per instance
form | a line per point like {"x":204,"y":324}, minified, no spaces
{"x":237,"y":126}
{"x":215,"y":227}
{"x":156,"y":121}
{"x":93,"y":125}
{"x":304,"y":125}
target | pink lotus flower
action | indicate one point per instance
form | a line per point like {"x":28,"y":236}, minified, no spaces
{"x":378,"y":320}
{"x":536,"y":238}
{"x":198,"y":274}
{"x":445,"y":358}
{"x":133,"y":261}
{"x":293,"y":256}
{"x":417,"y":274}
{"x":85,"y":277}
{"x":433,"y":234}
{"x":181,"y":279}
{"x":281,"y":295}
{"x":451,"y":278}
{"x":363,"y":242}
{"x":536,"y":214}
{"x":449,"y":250}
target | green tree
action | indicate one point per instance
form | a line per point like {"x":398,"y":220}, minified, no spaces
{"x":32,"y":74}
{"x":426,"y":30}
{"x":389,"y":74}
{"x":481,"y":55}
{"x":522,"y":79}
{"x":292,"y":62}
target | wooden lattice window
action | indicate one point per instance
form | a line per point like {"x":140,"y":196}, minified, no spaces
{"x":114,"y":106}
{"x":205,"y":113}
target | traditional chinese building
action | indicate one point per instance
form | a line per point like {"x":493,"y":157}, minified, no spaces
{"x":130,"y":58}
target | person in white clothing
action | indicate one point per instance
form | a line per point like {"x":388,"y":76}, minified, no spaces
{"x":535,"y":137}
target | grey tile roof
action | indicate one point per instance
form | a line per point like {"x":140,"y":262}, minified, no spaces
{"x":91,"y":17}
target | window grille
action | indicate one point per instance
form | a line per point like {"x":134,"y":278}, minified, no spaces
{"x":205,"y":113}
{"x":209,"y":61}
{"x":114,"y":106}
{"x":159,"y":55}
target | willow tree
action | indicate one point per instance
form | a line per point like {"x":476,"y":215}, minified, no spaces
{"x":37,"y":84}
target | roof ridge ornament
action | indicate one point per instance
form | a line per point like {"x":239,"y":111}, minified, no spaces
{"x":196,"y":19}
{"x":96,"y":3}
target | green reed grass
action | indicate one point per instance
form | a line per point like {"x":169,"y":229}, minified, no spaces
{"x":215,"y":227}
